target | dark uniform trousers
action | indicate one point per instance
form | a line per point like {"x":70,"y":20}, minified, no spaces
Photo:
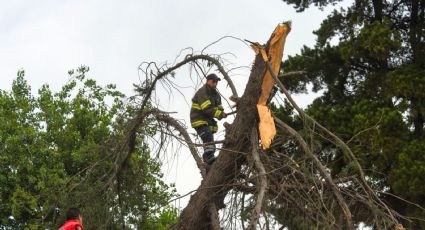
{"x":207,"y":137}
{"x":206,"y":106}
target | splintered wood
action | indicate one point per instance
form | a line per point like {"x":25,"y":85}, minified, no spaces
{"x":266,"y":125}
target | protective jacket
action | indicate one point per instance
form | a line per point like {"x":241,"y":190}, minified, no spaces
{"x":206,"y":105}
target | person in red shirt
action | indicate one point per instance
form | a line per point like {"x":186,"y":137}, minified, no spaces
{"x":74,"y":220}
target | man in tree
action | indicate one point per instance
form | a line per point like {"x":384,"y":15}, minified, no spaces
{"x":206,"y":105}
{"x":74,"y":220}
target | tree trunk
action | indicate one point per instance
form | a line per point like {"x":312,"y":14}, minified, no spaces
{"x":418,"y":119}
{"x":225,"y":169}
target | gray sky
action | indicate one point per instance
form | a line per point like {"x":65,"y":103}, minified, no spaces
{"x":47,"y":38}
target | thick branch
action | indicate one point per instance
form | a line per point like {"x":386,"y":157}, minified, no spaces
{"x":255,"y":214}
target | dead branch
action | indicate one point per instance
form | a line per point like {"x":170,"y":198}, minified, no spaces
{"x":292,"y":133}
{"x":339,"y":142}
{"x":294,"y":74}
{"x":262,"y":185}
{"x":192,"y":58}
{"x":165,"y":118}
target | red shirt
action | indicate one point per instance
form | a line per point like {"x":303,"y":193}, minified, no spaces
{"x":71,"y":225}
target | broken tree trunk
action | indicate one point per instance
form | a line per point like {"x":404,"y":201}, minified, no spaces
{"x":226,"y":168}
{"x":292,"y":174}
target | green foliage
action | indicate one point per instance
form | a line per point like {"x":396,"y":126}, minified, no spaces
{"x":57,"y":150}
{"x":376,"y":40}
{"x":405,"y":177}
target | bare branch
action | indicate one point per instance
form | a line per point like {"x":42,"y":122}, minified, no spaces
{"x":344,"y":207}
{"x":262,"y":178}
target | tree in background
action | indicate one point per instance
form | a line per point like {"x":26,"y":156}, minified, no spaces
{"x":56,"y":152}
{"x":369,"y":62}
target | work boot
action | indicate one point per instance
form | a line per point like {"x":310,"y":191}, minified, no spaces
{"x":208,"y":158}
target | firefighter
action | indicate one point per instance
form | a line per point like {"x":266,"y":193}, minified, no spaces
{"x":206,"y":107}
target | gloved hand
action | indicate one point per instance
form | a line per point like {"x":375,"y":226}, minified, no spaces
{"x":224,"y":115}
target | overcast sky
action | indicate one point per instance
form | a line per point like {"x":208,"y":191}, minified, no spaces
{"x":47,"y":38}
